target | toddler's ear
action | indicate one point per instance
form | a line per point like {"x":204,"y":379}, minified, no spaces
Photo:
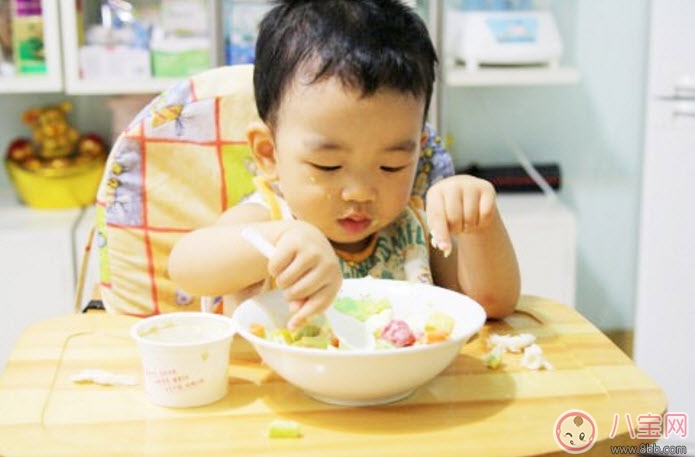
{"x":423,"y":138}
{"x":262,"y":146}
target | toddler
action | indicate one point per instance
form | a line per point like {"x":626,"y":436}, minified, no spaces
{"x":343,"y":89}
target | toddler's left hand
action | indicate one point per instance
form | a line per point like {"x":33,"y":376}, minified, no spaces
{"x":458,"y":204}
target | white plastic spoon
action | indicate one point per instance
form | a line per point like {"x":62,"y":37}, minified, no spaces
{"x":350,"y":332}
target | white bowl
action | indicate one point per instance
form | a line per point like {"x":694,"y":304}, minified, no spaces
{"x":363,"y":377}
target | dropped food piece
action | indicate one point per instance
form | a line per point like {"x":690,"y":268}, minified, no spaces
{"x":103,"y":378}
{"x":284,"y":429}
{"x":511,"y":343}
{"x":533,"y":358}
{"x":493,"y":359}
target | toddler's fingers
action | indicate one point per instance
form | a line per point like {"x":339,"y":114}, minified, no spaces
{"x":487,"y":208}
{"x":280,"y":261}
{"x":437,"y":222}
{"x":471,"y":211}
{"x":313,"y":305}
{"x":295,"y":305}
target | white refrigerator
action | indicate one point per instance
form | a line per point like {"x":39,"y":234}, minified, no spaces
{"x":665,"y":315}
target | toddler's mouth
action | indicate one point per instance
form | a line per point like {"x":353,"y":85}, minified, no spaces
{"x":355,"y":223}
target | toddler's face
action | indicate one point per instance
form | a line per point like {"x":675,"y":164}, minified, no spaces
{"x":344,"y":162}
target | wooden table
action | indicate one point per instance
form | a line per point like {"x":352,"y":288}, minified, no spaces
{"x":469,"y":410}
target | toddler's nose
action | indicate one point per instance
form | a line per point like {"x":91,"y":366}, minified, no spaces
{"x":358,"y":191}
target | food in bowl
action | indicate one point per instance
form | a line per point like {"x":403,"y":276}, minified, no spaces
{"x":365,"y":376}
{"x":390,"y":331}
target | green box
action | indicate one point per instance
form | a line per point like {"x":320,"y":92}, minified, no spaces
{"x":27,"y":35}
{"x":176,"y":64}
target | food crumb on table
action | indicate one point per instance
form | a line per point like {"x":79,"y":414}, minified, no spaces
{"x":102,"y":377}
{"x":511,"y":343}
{"x":279,"y":428}
{"x":531,"y":359}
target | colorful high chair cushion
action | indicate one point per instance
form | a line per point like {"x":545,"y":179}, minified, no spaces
{"x":180,"y":163}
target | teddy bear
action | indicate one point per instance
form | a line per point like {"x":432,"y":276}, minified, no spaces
{"x":56,"y":144}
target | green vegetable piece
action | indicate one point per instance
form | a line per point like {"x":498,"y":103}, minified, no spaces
{"x":280,"y":335}
{"x":284,"y":429}
{"x":494,"y":358}
{"x":363,"y":308}
{"x":347,"y":305}
{"x":318,"y":341}
{"x":308,"y":330}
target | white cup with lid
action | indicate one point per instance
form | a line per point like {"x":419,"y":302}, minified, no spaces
{"x":185,"y":357}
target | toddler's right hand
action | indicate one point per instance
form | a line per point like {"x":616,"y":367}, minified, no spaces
{"x":306,"y":267}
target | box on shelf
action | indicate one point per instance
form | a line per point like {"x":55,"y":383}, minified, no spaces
{"x":27,"y":36}
{"x":174,"y":57}
{"x":184,"y":17}
{"x":241,"y":22}
{"x":114,"y":62}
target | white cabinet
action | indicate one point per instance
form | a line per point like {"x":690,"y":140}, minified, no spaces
{"x":542,"y":231}
{"x":52,"y":80}
{"x":37,"y":266}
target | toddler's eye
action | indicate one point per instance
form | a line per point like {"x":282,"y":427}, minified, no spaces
{"x":325,"y":167}
{"x":392,"y":169}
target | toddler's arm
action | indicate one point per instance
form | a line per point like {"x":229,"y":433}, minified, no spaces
{"x":217,"y":260}
{"x":463,"y":218}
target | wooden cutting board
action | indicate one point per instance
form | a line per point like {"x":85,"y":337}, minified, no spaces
{"x":468,"y":410}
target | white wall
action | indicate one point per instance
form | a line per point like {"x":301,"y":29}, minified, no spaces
{"x":593,"y":129}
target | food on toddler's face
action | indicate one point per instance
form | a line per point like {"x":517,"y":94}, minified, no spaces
{"x":426,"y":326}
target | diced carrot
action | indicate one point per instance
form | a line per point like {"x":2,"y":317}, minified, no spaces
{"x":435,"y":336}
{"x":257,"y":329}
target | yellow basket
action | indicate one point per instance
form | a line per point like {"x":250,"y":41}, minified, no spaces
{"x":67,"y":188}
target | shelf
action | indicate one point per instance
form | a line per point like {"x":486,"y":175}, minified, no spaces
{"x":118,"y":87}
{"x":30,"y":84}
{"x":457,"y":76}
{"x":17,"y":216}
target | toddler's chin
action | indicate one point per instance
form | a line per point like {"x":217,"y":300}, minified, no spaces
{"x":351,"y":244}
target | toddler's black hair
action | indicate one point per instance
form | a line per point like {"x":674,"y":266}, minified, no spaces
{"x":367,"y":44}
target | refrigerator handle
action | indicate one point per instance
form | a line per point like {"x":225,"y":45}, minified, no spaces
{"x":685,"y":87}
{"x":684,"y":109}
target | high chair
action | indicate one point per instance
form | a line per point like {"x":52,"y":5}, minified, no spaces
{"x":180,"y":163}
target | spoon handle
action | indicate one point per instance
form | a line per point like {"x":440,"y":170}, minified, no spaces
{"x":254,"y":237}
